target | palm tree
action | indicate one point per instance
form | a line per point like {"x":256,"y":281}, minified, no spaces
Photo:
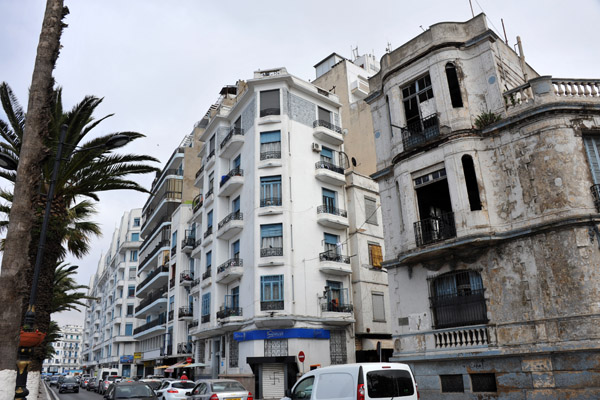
{"x":87,"y":168}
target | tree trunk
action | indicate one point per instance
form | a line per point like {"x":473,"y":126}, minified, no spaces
{"x":33,"y":152}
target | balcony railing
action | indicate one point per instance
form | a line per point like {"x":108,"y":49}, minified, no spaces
{"x":229,"y":312}
{"x":193,"y":324}
{"x":210,"y":192}
{"x":206,"y":274}
{"x":184,"y":348}
{"x":171,"y":315}
{"x":237,"y":216}
{"x":271,"y":252}
{"x":197,"y":202}
{"x":327,"y":209}
{"x":459,"y":309}
{"x":270,"y":201}
{"x":332,"y":306}
{"x":205,"y":318}
{"x":460,"y":338}
{"x":234,"y":262}
{"x":270,"y":111}
{"x":420,"y":131}
{"x":159,"y":245}
{"x":271,"y":305}
{"x":186,"y":276}
{"x":200,"y":170}
{"x":186,"y":312}
{"x":328,"y":125}
{"x":329,"y":166}
{"x":166,"y":351}
{"x":435,"y":229}
{"x":208,"y":232}
{"x":331,"y":255}
{"x":211,"y":154}
{"x":233,"y":131}
{"x":198,"y":242}
{"x":196,"y":282}
{"x":162,"y":268}
{"x":151,"y":298}
{"x":596,"y":195}
{"x":233,"y":172}
{"x":562,"y":89}
{"x":158,"y":321}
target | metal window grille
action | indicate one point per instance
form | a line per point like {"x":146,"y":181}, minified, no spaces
{"x":276,"y":347}
{"x":233,"y":352}
{"x":337,"y":347}
{"x":201,"y":351}
{"x":452,"y":383}
{"x":483,"y":383}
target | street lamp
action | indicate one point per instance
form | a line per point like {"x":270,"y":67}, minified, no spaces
{"x":29,"y":336}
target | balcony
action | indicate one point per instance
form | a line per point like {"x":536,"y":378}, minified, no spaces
{"x":330,"y":173}
{"x":210,"y":159}
{"x":595,"y":189}
{"x":271,"y":305}
{"x":459,"y":309}
{"x":192,"y":324}
{"x":230,"y":270}
{"x":184,"y":348}
{"x":150,"y":258}
{"x":206,"y":277}
{"x":473,"y":336}
{"x":332,"y":217}
{"x":186,"y":278}
{"x":205,"y":318}
{"x":156,"y":325}
{"x":271,"y":252}
{"x":232,"y":142}
{"x":186,"y":313}
{"x":210,"y":196}
{"x":154,"y":303}
{"x":434,"y":229}
{"x":189,"y":242}
{"x":199,"y":180}
{"x":197,"y":203}
{"x":330,"y":262}
{"x":231,"y":182}
{"x":229,"y":314}
{"x":327,"y":132}
{"x":195,"y":286}
{"x":420,"y":132}
{"x":230,"y":226}
{"x":207,"y":236}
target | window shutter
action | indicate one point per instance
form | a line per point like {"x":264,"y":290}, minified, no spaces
{"x":592,"y":145}
{"x":375,"y":254}
{"x":370,"y":211}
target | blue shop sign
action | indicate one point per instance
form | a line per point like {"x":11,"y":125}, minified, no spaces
{"x":126,"y":359}
{"x":294,"y":333}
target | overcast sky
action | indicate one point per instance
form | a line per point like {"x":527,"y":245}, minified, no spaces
{"x":160,"y":64}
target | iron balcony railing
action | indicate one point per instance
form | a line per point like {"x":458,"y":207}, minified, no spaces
{"x":211,"y":154}
{"x":200,"y":170}
{"x":206,"y":274}
{"x":337,"y":307}
{"x":420,"y":131}
{"x":234,"y":262}
{"x":327,"y":209}
{"x":174,"y":250}
{"x":210,"y":192}
{"x":197,"y":202}
{"x":331,"y":255}
{"x":270,"y":111}
{"x":198,"y":242}
{"x":208,"y":232}
{"x":234,"y":216}
{"x":329,"y":166}
{"x":186,"y":312}
{"x":186,"y":276}
{"x":151,"y":298}
{"x":271,"y":305}
{"x":171,"y":315}
{"x":459,"y":309}
{"x":196,"y":282}
{"x":205,"y":318}
{"x":270,"y":155}
{"x":159,"y":245}
{"x":158,"y":321}
{"x":193,"y":324}
{"x":232,"y":132}
{"x":161,"y":269}
{"x":328,"y":125}
{"x":271,"y":252}
{"x":184,"y":348}
{"x":270,"y":201}
{"x":435,"y":229}
{"x":233,"y":172}
{"x":229,"y":312}
{"x":596,"y":195}
{"x":167,"y":350}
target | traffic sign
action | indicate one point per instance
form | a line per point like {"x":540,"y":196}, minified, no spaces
{"x":301,"y":356}
{"x":188,"y":360}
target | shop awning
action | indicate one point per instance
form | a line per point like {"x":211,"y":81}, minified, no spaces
{"x":178,"y":365}
{"x":196,"y":365}
{"x":162,"y":367}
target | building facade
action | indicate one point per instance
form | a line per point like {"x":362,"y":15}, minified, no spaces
{"x":488,"y":175}
{"x":109,"y":323}
{"x":67,"y":356}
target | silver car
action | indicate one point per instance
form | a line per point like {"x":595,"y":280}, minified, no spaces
{"x":219,"y":389}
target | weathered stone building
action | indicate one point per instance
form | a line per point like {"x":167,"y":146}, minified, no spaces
{"x":491,"y":230}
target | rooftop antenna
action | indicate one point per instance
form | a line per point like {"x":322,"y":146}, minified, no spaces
{"x":472,"y":13}
{"x":388,"y":49}
{"x":355,"y":53}
{"x":504,"y":29}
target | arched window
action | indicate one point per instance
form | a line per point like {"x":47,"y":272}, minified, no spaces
{"x":471,"y":181}
{"x":457,"y":299}
{"x":453,"y":86}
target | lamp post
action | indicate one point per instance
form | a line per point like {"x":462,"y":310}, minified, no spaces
{"x":31,"y":337}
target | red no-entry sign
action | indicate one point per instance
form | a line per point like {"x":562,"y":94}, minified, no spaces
{"x":301,"y":356}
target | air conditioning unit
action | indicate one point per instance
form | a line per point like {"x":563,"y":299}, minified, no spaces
{"x":316,"y":147}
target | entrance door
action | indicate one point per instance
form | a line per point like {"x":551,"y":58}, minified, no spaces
{"x":273,"y":383}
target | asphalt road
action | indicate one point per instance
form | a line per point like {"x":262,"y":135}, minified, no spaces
{"x":82,"y":395}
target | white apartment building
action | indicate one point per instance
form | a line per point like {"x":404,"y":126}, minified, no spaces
{"x":272,"y":242}
{"x":67,"y":357}
{"x":109,"y":320}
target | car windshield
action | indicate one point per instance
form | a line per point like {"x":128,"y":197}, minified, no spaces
{"x":132,"y":391}
{"x":154,"y":385}
{"x":184,"y":385}
{"x":219,"y":387}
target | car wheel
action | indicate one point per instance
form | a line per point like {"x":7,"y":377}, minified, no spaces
{"x":77,"y":391}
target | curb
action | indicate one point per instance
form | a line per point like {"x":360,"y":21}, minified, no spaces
{"x":50,"y":395}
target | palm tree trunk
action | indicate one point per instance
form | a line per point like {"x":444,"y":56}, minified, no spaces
{"x":15,"y":260}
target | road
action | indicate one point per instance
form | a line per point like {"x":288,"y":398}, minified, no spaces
{"x":82,"y":395}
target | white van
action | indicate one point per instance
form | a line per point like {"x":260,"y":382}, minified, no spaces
{"x":364,"y":381}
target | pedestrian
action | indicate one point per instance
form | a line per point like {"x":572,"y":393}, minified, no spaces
{"x":183,"y":376}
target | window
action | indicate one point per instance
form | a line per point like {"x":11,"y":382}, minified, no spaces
{"x":331,"y":244}
{"x":271,"y":240}
{"x":270,"y":145}
{"x":276,"y":347}
{"x":235,"y":249}
{"x":269,"y":102}
{"x":171,"y":303}
{"x":208,"y":260}
{"x":131,"y":291}
{"x":209,"y":219}
{"x":323,"y":115}
{"x":329,"y":201}
{"x":237,"y":162}
{"x":205,"y":304}
{"x":457,"y":299}
{"x":211,"y":183}
{"x":371,"y":211}
{"x":337,"y":347}
{"x":132,"y":272}
{"x":270,"y":191}
{"x":233,"y":351}
{"x":483,"y":383}
{"x":235,"y":205}
{"x":211,"y":146}
{"x":471,"y":181}
{"x":135,"y":237}
{"x":128,"y":329}
{"x":375,"y":255}
{"x":133,"y":255}
{"x":452,"y":383}
{"x":413,"y":95}
{"x":136,"y":222}
{"x":327,"y":155}
{"x":453,"y":86}
{"x":234,"y":301}
{"x":378,"y":306}
{"x":304,"y":389}
{"x":271,"y":292}
{"x":129,"y":310}
{"x":337,"y":298}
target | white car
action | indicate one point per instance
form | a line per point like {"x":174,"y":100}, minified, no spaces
{"x":174,"y":390}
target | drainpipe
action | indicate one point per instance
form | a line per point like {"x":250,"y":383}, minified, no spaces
{"x":521,"y":57}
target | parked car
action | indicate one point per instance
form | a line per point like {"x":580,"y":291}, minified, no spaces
{"x":153,"y":383}
{"x":364,"y":381}
{"x":219,"y":389}
{"x":92,"y":384}
{"x":53,"y":381}
{"x":130,"y":390}
{"x":109,"y":380}
{"x":84,"y":380}
{"x":174,"y":389}
{"x":69,"y":384}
